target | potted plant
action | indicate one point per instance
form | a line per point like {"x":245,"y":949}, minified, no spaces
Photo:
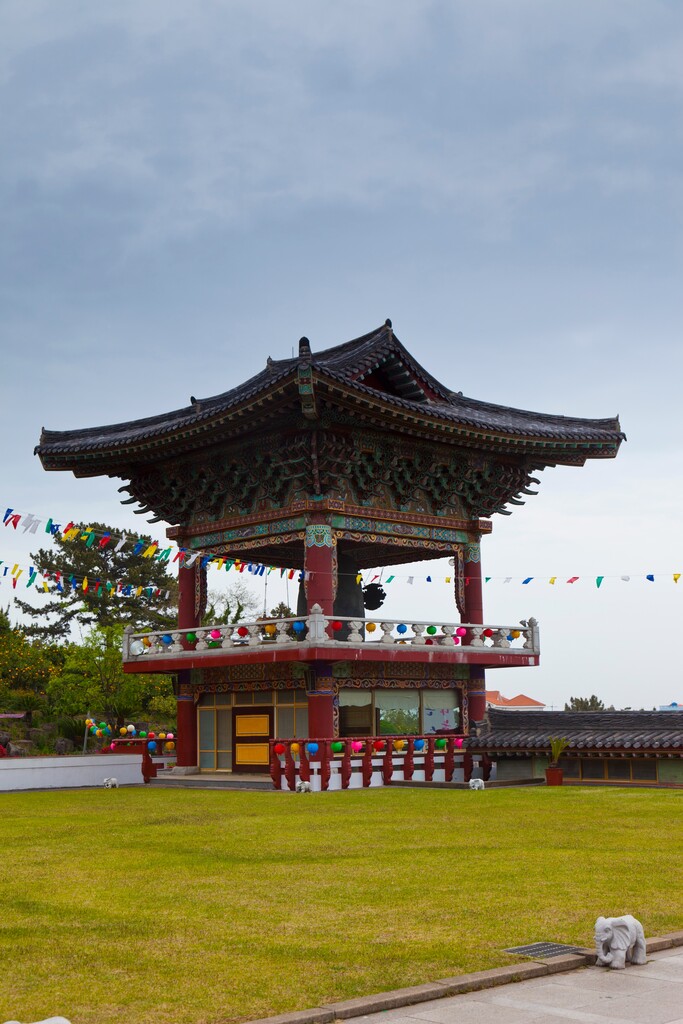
{"x":553,"y":774}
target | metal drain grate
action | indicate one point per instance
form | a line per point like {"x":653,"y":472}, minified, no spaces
{"x":543,"y":949}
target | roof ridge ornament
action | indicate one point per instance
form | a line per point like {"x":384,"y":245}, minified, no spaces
{"x":304,"y":372}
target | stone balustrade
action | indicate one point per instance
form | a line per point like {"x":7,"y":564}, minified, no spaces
{"x":317,"y":629}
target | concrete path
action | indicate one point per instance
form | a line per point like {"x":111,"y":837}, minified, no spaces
{"x":651,"y":994}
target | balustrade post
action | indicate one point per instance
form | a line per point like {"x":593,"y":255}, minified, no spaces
{"x":387,"y":629}
{"x":417,"y":628}
{"x":409,"y":760}
{"x":290,"y":766}
{"x":486,"y":765}
{"x":346,"y":764}
{"x":388,"y":763}
{"x":325,"y":766}
{"x":304,"y":763}
{"x":429,"y":759}
{"x":449,"y":759}
{"x":467,"y":766}
{"x":275,"y":767}
{"x":366,"y":768}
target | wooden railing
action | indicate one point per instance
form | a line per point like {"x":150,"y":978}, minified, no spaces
{"x":362,"y":761}
{"x":317,"y":630}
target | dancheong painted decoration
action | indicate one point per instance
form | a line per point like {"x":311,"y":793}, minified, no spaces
{"x":331,"y":462}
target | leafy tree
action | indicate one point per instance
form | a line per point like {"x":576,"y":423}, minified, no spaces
{"x":25,"y":666}
{"x":235,"y":604}
{"x":591,"y":703}
{"x":99,"y":606}
{"x":282,"y":611}
{"x":93,"y":679}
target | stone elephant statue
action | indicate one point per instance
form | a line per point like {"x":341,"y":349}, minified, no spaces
{"x":618,"y":940}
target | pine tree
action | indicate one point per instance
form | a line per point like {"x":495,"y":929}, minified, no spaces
{"x":99,"y":605}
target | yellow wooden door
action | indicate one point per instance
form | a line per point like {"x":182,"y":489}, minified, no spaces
{"x":251,"y":729}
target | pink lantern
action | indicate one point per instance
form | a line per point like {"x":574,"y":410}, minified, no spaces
{"x":356,"y":746}
{"x":169,"y":735}
{"x":461,"y":631}
{"x":456,"y":639}
{"x":457,"y":742}
{"x":112,"y":746}
{"x":215,"y":634}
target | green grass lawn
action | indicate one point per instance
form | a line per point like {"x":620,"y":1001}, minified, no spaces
{"x":148,"y":905}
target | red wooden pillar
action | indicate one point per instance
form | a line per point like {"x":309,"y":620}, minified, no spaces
{"x":186,"y":741}
{"x":474,"y":613}
{"x":320,"y":566}
{"x":320,"y":715}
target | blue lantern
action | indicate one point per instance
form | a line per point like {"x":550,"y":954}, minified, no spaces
{"x":298,"y":627}
{"x":419,"y":744}
{"x":311,"y":748}
{"x":402,"y":628}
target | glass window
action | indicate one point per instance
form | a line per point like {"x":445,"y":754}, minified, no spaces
{"x":356,"y":721}
{"x":570,"y":767}
{"x":224,"y":730}
{"x":301,"y":721}
{"x":592,"y":768}
{"x":207,"y":759}
{"x":206,"y":730}
{"x":285,"y":696}
{"x":285,"y":723}
{"x":243,"y":698}
{"x":224,"y":759}
{"x":224,"y":699}
{"x":207,"y":699}
{"x":300,"y":697}
{"x":440,"y":710}
{"x":263,"y":696}
{"x":618,"y":769}
{"x":398,"y":712}
{"x":355,"y":698}
{"x":644,"y":771}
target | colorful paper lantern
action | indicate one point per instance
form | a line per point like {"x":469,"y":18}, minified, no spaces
{"x":336,"y":625}
{"x":271,"y":629}
{"x":213,"y":644}
{"x":515,"y":634}
{"x":279,"y":749}
{"x":371,"y":627}
{"x":488,"y":632}
{"x":298,"y":626}
{"x":130,"y":728}
{"x":312,"y":748}
{"x":430,"y":643}
{"x":419,"y":744}
{"x":431,"y":630}
{"x":457,"y":742}
{"x":169,"y":746}
{"x":98,"y":733}
{"x":123,"y":731}
{"x":356,"y":746}
{"x":402,"y":628}
{"x":215,"y":634}
{"x":456,"y":640}
{"x":399,"y":744}
{"x":169,"y":736}
{"x":461,"y":631}
{"x":103,"y":725}
{"x":146,"y":642}
{"x":337,"y":747}
{"x":143,"y":735}
{"x":151,"y":735}
{"x":242,"y":631}
{"x":191,"y":638}
{"x":379,"y":744}
{"x":167,"y":639}
{"x":88,"y":722}
{"x":162,"y":735}
{"x":294,"y":749}
{"x":151,"y":745}
{"x":440,"y":744}
{"x":112,"y":746}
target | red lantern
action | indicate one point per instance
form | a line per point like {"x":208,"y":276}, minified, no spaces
{"x":243,"y":631}
{"x":379,"y":744}
{"x":336,"y":625}
{"x":279,"y":748}
{"x":488,"y":632}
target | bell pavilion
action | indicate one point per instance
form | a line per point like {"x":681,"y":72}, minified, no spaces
{"x":330,"y":463}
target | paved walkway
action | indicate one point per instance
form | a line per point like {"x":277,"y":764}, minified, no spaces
{"x":651,"y":994}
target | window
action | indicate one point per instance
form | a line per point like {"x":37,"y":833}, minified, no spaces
{"x":440,"y":710}
{"x":592,"y":768}
{"x":618,"y":769}
{"x":397,"y":712}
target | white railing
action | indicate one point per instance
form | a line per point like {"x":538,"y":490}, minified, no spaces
{"x":316,"y":630}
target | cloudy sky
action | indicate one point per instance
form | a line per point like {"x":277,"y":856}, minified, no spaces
{"x":186,"y":189}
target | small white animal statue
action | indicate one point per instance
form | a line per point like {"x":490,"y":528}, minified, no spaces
{"x":618,"y":940}
{"x":50,"y":1020}
{"x":476,"y":784}
{"x":110,"y":784}
{"x":303,"y":787}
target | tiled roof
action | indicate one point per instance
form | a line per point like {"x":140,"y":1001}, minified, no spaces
{"x":349,"y":366}
{"x":586,"y":730}
{"x":496,"y":698}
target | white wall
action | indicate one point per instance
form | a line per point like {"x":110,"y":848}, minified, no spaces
{"x":69,"y":771}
